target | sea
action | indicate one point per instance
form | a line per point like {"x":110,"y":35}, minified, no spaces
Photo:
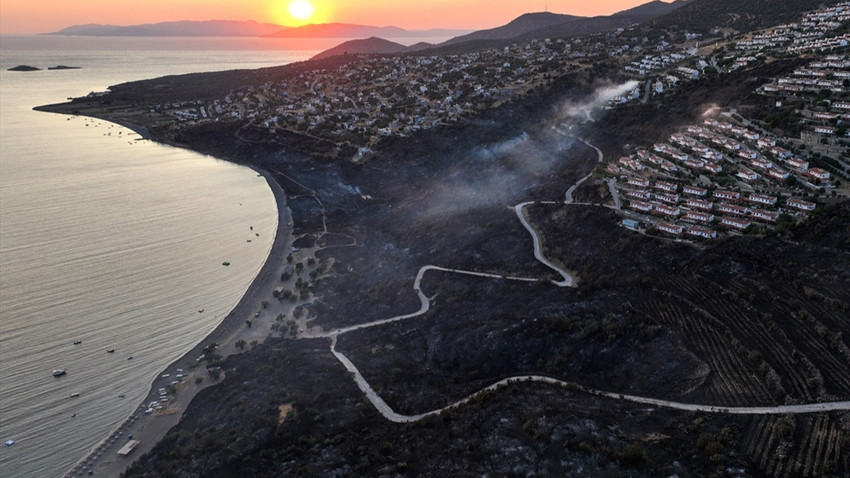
{"x":110,"y":240}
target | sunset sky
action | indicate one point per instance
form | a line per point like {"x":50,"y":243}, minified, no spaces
{"x":28,"y":17}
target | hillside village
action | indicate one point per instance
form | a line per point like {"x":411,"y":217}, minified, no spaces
{"x":728,"y":175}
{"x":717,"y":177}
{"x":724,"y":176}
{"x":378,"y":96}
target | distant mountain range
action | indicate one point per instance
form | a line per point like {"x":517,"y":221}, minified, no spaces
{"x":220,"y":28}
{"x":344,"y":30}
{"x":529,"y":25}
{"x":693,"y":15}
{"x":550,"y":24}
{"x":227,"y":28}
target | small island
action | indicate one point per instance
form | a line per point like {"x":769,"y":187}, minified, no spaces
{"x":24,"y":68}
{"x":33,"y":68}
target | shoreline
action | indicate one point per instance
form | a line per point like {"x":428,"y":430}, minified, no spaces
{"x":149,"y":429}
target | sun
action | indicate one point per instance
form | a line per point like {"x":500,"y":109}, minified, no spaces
{"x":301,"y":10}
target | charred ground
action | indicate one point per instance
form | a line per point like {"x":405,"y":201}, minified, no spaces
{"x":744,"y":321}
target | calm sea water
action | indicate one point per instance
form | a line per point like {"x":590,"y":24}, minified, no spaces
{"x":111,"y":241}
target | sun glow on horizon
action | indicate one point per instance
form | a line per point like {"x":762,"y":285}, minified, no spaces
{"x":301,"y":10}
{"x":27,"y":17}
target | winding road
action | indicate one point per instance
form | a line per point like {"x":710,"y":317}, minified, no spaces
{"x":568,"y":281}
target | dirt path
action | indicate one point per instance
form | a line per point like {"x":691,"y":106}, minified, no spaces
{"x":569,"y":281}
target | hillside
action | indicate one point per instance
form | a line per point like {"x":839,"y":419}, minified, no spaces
{"x":371,"y":45}
{"x":739,"y":15}
{"x":527,"y":26}
{"x":586,"y":26}
{"x":551,"y":25}
{"x":522,"y":25}
{"x":733,"y":324}
{"x":655,"y":8}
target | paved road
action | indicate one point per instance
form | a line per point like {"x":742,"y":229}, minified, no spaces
{"x":614,"y":193}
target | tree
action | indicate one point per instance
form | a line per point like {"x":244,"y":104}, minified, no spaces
{"x":240,"y":344}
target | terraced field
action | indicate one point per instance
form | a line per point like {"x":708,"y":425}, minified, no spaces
{"x":768,"y":316}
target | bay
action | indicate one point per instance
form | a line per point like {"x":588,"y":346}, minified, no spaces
{"x":110,"y":240}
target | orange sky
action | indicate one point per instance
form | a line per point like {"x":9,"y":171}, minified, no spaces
{"x":28,"y":16}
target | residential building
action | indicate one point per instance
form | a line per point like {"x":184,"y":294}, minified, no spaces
{"x":700,"y":204}
{"x":696,"y":216}
{"x":760,"y":214}
{"x":640,"y":206}
{"x":728,"y":195}
{"x":700,"y":231}
{"x":800,"y":204}
{"x":638,"y":181}
{"x":762,"y":199}
{"x":666,"y":210}
{"x":735,"y":222}
{"x":732,"y":209}
{"x":695,"y":191}
{"x":674,"y":229}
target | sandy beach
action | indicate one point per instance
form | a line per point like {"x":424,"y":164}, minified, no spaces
{"x":248,"y":321}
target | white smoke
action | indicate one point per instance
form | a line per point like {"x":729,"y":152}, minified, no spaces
{"x":511,"y":167}
{"x":506,"y":171}
{"x":602,"y":95}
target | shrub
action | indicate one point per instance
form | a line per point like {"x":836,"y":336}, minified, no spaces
{"x":634,"y":456}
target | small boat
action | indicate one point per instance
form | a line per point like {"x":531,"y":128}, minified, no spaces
{"x":9,"y":442}
{"x":78,"y":342}
{"x":200,"y":310}
{"x":109,"y":351}
{"x":75,"y":395}
{"x":225,"y":263}
{"x":58,"y":372}
{"x":130,"y":358}
{"x":121,"y":395}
